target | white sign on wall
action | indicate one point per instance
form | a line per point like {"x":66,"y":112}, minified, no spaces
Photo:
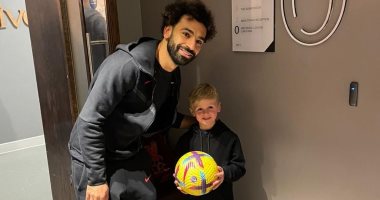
{"x":253,"y":25}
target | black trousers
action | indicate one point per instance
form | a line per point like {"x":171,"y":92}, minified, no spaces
{"x":127,"y":179}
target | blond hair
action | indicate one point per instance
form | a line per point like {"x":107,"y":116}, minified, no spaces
{"x":202,"y":91}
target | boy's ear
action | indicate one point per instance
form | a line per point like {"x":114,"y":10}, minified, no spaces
{"x":192,"y":112}
{"x":219,"y":107}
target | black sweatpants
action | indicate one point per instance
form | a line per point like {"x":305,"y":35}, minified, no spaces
{"x":127,"y":179}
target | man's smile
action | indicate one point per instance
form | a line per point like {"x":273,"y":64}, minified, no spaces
{"x":186,"y":53}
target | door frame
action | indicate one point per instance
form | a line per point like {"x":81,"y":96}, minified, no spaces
{"x":49,"y":27}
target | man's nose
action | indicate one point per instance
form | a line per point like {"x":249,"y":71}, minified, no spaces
{"x":192,"y":44}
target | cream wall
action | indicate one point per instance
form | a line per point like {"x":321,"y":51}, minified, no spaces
{"x":290,"y":108}
{"x":20,"y":114}
{"x":129,"y":16}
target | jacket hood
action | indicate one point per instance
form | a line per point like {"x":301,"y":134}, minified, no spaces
{"x":206,"y":136}
{"x":218,"y":128}
{"x":143,"y":51}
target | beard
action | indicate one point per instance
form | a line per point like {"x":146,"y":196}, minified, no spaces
{"x":177,"y":58}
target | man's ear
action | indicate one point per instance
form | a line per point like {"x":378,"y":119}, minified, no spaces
{"x":167,"y":32}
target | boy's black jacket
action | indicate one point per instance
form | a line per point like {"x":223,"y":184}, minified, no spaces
{"x":224,"y":146}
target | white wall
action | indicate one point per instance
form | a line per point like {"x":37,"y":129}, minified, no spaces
{"x":20,"y":115}
{"x":290,"y":108}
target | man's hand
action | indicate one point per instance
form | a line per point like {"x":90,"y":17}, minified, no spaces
{"x":98,"y":192}
{"x":187,"y":121}
{"x":219,"y":178}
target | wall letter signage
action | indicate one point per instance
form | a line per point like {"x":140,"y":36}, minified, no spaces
{"x":312,"y":38}
{"x":15,"y":22}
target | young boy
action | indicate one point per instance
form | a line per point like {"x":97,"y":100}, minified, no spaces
{"x":212,"y":136}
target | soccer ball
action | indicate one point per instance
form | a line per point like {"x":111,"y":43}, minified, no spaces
{"x":195,"y":172}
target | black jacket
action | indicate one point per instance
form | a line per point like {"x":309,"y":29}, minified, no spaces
{"x":224,"y":146}
{"x":119,"y":109}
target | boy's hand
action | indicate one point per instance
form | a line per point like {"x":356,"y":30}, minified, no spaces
{"x":177,"y":185}
{"x":219,"y":178}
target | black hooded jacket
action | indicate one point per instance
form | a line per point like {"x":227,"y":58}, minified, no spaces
{"x":224,"y":146}
{"x":119,"y":109}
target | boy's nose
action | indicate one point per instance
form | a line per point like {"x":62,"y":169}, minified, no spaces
{"x":205,"y":111}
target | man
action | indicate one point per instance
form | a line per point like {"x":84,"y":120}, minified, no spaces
{"x":134,"y":94}
{"x":97,"y":28}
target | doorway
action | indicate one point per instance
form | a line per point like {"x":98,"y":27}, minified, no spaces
{"x":59,"y":45}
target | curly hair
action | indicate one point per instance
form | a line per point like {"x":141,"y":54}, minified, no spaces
{"x":194,"y":8}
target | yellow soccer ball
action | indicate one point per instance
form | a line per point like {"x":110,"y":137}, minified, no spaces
{"x":195,"y":172}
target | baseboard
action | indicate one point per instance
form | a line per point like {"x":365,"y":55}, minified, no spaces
{"x":22,"y":144}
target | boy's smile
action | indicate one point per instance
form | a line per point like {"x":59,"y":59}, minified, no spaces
{"x":206,"y":112}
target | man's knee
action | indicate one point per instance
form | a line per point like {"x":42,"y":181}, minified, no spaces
{"x":151,"y":195}
{"x":120,"y":191}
